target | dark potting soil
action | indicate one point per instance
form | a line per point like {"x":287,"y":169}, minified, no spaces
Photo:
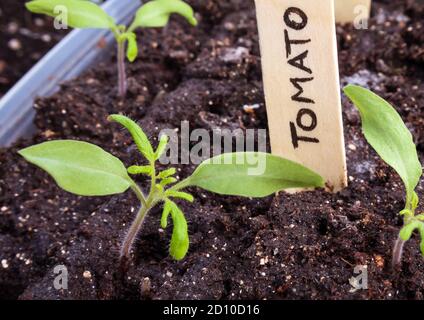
{"x":24,"y":39}
{"x":288,"y":246}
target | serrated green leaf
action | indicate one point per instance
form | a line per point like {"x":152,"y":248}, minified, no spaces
{"x":79,"y":167}
{"x":138,"y":135}
{"x":140,"y":170}
{"x":80,"y":13}
{"x":388,"y":135}
{"x":167,"y":181}
{"x":167,"y":173}
{"x":156,"y":13}
{"x":132,"y":49}
{"x":165,"y":214}
{"x":163,"y":142}
{"x":179,"y":194}
{"x":231,"y":174}
{"x":179,"y":240}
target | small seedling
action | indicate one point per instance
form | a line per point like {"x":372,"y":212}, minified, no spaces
{"x":85,"y":14}
{"x":85,"y":169}
{"x":388,"y":135}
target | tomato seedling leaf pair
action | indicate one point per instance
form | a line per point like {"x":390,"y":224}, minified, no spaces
{"x":85,"y":14}
{"x":85,"y":169}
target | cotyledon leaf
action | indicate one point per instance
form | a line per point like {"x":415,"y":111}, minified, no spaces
{"x":75,"y":13}
{"x":251,"y":174}
{"x":156,"y":13}
{"x":80,"y":167}
{"x":388,"y":135}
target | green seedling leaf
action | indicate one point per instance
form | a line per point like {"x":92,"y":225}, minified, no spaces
{"x":236,"y":179}
{"x":132,"y":49}
{"x":140,"y":170}
{"x":388,"y":135}
{"x":179,"y":194}
{"x":414,"y":201}
{"x":137,"y":134}
{"x":406,"y":212}
{"x":167,"y":173}
{"x":162,"y":146}
{"x":160,"y":188}
{"x":179,"y":240}
{"x":165,"y":214}
{"x":79,"y":13}
{"x":79,"y":167}
{"x":167,"y":181}
{"x":407,"y":230}
{"x":156,"y":13}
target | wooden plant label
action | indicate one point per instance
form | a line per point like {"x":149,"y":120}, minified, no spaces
{"x":352,"y":10}
{"x":301,"y":83}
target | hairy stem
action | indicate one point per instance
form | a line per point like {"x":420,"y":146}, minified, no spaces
{"x":397,"y":252}
{"x":122,"y":77}
{"x":132,"y":232}
{"x":146,"y":205}
{"x":137,"y":223}
{"x":140,"y":195}
{"x":153,"y":181}
{"x":180,"y":185}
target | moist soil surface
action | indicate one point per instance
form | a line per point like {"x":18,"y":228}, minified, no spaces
{"x":287,"y":246}
{"x":24,"y":39}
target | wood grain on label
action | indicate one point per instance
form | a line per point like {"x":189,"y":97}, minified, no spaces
{"x":349,"y":10}
{"x":301,"y":83}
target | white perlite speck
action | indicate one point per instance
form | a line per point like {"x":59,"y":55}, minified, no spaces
{"x":4,"y":264}
{"x":15,"y":44}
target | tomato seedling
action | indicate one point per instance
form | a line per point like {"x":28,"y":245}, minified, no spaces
{"x":85,"y":169}
{"x":85,"y":14}
{"x":388,"y":135}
